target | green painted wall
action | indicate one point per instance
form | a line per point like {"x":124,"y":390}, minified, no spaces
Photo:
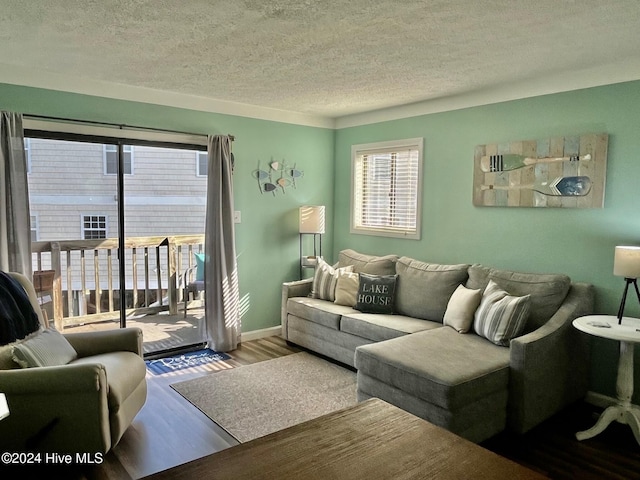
{"x":267,"y":238}
{"x":578,"y":242}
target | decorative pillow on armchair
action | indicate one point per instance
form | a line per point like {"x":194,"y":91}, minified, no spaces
{"x":500,"y":316}
{"x":47,"y":348}
{"x":376,"y":293}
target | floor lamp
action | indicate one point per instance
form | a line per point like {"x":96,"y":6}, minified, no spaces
{"x":626,"y":264}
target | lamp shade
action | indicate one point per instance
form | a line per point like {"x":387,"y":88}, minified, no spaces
{"x":312,"y":219}
{"x":626,"y":262}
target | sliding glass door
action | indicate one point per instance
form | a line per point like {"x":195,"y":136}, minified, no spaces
{"x":164,"y":212}
{"x":91,"y":202}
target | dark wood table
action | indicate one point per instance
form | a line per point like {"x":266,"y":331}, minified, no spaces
{"x":372,"y":440}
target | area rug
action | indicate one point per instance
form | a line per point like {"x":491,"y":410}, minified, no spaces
{"x":186,"y":360}
{"x":255,"y":400}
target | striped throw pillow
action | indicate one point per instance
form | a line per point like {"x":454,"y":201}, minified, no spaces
{"x":45,"y":349}
{"x":325,"y":280}
{"x":500,"y":316}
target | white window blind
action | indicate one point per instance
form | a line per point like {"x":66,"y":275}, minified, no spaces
{"x":386,"y":188}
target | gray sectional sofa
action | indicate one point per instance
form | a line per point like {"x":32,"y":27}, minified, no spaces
{"x":460,"y":381}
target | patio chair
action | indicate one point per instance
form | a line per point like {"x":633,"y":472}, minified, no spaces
{"x":75,"y":393}
{"x":193,"y":280}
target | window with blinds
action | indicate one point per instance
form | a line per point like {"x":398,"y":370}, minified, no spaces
{"x":387,"y":188}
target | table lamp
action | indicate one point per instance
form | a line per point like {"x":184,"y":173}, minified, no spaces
{"x":626,"y":264}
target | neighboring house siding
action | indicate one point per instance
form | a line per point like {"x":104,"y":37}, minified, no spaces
{"x":163,"y":196}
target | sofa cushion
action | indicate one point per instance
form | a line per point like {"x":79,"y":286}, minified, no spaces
{"x":438,"y":366}
{"x":424,"y":289}
{"x":47,"y":348}
{"x":461,"y":308}
{"x":500,"y":316}
{"x":376,"y":293}
{"x":370,"y":264}
{"x":347,"y":288}
{"x":318,"y":311}
{"x":325,"y":279}
{"x":379,"y":327}
{"x":125,"y":371}
{"x":547,"y":291}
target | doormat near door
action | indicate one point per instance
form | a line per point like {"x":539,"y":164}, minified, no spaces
{"x":254,"y":400}
{"x":185,"y":360}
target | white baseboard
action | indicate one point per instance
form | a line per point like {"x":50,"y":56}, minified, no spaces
{"x":599,"y":400}
{"x":258,"y":334}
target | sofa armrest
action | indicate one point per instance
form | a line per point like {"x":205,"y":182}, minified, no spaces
{"x":550,"y":366}
{"x":299,"y":288}
{"x":105,"y":341}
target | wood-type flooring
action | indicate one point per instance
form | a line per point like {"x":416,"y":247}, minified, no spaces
{"x":170,"y":431}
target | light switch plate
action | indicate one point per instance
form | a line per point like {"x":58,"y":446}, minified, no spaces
{"x":237,"y":217}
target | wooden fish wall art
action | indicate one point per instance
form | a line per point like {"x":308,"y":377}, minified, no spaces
{"x":566,"y":172}
{"x":276,"y":177}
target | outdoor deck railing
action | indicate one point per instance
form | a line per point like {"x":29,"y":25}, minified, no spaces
{"x":89,"y":269}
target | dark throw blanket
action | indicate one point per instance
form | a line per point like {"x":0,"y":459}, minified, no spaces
{"x":17,"y":317}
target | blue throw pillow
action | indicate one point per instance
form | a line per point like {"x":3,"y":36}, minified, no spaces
{"x":199,"y":267}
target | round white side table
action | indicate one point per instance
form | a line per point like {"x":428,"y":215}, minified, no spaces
{"x":628,"y":333}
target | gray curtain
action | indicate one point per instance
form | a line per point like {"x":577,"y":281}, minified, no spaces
{"x":15,"y":228}
{"x":220,"y":272}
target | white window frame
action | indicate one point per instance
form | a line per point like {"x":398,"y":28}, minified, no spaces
{"x":34,"y":227}
{"x":109,"y":148}
{"x":358,"y":155}
{"x":27,"y":153}
{"x":200,"y":173}
{"x":84,"y":230}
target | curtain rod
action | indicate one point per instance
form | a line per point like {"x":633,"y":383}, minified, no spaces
{"x":117,"y":125}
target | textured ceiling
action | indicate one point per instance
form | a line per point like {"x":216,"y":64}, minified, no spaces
{"x":325,"y":58}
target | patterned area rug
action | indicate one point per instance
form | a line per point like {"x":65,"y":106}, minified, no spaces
{"x":185,"y":360}
{"x":255,"y":400}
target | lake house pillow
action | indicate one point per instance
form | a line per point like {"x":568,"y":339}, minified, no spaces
{"x":376,"y":293}
{"x":500,"y":316}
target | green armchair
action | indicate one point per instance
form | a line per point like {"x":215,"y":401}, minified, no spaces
{"x":83,"y":406}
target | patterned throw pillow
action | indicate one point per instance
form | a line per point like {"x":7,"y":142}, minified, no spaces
{"x":376,"y":293}
{"x":325,"y":280}
{"x":461,"y":308}
{"x":47,"y":348}
{"x":500,"y":316}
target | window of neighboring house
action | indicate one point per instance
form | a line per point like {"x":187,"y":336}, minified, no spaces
{"x":111,"y":159}
{"x":34,"y":228}
{"x":201,"y":159}
{"x":94,"y":227}
{"x":27,"y":154}
{"x":386,"y":188}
